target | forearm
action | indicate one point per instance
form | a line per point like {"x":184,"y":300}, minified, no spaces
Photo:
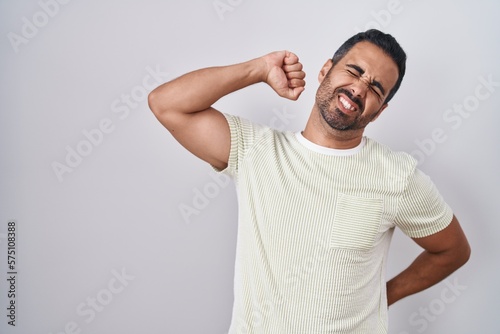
{"x":198,"y":90}
{"x":427,"y":270}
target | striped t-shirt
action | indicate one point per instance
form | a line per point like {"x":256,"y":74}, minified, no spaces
{"x":314,"y":230}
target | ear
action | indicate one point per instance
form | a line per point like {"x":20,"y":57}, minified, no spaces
{"x":324,"y":70}
{"x":379,"y":112}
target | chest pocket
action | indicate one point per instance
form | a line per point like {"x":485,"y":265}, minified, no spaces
{"x":356,"y":222}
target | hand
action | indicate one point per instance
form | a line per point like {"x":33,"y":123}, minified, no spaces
{"x":284,"y":74}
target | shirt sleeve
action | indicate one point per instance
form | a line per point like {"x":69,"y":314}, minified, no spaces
{"x":243,"y":136}
{"x":422,"y":210}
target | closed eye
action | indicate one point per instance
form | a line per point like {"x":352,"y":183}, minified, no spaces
{"x":352,"y":73}
{"x":373,"y":87}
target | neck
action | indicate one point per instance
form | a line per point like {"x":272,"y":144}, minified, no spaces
{"x":320,"y":133}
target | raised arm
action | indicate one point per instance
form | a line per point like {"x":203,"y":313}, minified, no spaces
{"x":444,"y":252}
{"x":184,"y":105}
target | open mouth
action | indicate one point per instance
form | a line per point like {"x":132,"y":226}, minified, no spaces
{"x":346,"y":105}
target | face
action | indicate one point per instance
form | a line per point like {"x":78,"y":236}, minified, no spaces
{"x":352,"y":92}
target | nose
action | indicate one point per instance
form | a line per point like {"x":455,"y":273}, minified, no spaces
{"x":360,"y":87}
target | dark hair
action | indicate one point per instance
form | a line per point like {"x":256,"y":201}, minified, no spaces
{"x":384,"y":41}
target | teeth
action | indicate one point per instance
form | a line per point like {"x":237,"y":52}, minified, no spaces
{"x":346,"y":104}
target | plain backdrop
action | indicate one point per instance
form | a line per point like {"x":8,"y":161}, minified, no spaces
{"x":120,"y":230}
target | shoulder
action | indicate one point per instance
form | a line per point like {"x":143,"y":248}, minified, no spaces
{"x":395,"y":165}
{"x":253,"y":132}
{"x":387,"y":156}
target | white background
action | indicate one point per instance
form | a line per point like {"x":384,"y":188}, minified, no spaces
{"x":117,"y":209}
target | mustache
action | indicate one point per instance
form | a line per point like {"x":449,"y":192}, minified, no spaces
{"x":354,"y":99}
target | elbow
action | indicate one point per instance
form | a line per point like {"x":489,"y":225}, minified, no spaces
{"x":466,"y":253}
{"x":161,"y":103}
{"x":462,"y":255}
{"x":153,"y":103}
{"x":163,"y":111}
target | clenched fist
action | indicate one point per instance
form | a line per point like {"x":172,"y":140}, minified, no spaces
{"x":285,"y":74}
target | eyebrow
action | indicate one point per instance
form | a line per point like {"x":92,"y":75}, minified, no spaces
{"x":362,"y":71}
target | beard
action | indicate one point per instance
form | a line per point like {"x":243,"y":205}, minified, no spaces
{"x":326,"y":98}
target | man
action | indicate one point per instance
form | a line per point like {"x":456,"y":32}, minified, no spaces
{"x":317,"y":208}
